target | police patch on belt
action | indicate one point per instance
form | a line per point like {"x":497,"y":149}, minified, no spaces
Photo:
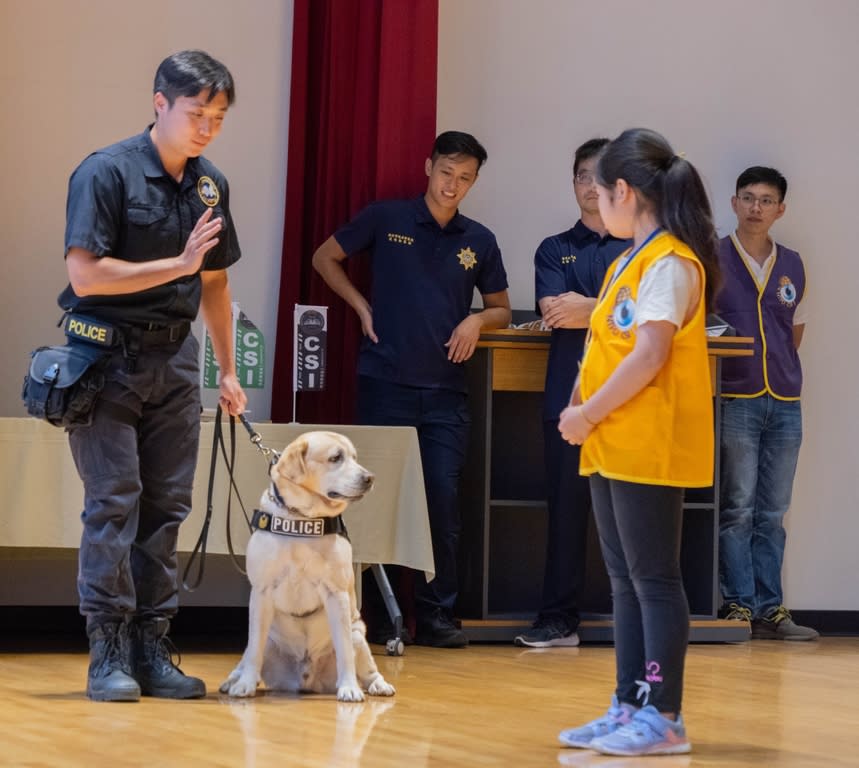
{"x":208,"y":191}
{"x":89,"y":330}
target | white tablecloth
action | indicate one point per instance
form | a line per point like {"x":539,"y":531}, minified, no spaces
{"x":43,"y":496}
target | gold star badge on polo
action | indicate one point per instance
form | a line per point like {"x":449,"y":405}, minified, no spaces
{"x":467,"y":258}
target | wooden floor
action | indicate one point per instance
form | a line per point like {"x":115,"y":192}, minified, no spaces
{"x":749,"y":704}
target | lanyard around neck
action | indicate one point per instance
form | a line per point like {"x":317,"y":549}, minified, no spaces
{"x":621,"y":267}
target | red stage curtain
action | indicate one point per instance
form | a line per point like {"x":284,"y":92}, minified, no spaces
{"x":361,"y":123}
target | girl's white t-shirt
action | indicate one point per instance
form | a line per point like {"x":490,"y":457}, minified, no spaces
{"x":669,"y":290}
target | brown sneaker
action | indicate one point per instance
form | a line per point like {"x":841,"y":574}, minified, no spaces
{"x":779,"y":625}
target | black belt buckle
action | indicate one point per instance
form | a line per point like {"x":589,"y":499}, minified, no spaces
{"x":156,"y":334}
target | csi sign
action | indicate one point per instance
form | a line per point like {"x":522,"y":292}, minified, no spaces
{"x":311,"y":336}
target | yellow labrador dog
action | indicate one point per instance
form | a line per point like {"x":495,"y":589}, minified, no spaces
{"x":305,"y":632}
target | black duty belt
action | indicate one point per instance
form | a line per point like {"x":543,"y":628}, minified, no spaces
{"x":155,"y":335}
{"x":93,"y":331}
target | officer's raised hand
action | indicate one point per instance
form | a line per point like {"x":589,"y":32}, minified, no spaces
{"x":201,"y":240}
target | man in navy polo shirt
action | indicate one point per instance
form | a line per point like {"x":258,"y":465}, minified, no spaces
{"x":569,"y":270}
{"x":427,"y":259}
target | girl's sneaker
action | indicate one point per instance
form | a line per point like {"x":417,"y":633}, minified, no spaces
{"x":648,"y":733}
{"x":581,"y":738}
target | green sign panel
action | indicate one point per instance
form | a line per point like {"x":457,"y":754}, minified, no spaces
{"x":250,"y":357}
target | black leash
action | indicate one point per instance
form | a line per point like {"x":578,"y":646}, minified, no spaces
{"x":218,"y":442}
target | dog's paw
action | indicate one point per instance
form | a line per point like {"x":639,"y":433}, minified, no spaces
{"x":234,"y":675}
{"x":240,"y":685}
{"x":350,"y":693}
{"x":381,"y":687}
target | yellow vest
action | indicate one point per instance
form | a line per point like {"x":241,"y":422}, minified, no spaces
{"x":663,"y":435}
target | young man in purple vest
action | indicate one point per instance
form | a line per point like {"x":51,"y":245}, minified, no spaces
{"x":762,"y":296}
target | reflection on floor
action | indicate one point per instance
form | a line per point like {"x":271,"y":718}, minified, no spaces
{"x":749,"y":704}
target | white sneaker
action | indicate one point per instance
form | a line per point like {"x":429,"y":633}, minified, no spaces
{"x":581,"y":737}
{"x":648,"y":733}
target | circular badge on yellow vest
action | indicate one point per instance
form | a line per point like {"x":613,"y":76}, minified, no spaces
{"x":208,"y":191}
{"x":622,"y":316}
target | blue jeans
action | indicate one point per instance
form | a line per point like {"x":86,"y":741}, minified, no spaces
{"x":443,"y":424}
{"x":760,"y":447}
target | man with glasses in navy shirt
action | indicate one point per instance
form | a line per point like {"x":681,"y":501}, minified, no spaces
{"x":569,"y":270}
{"x":427,"y":259}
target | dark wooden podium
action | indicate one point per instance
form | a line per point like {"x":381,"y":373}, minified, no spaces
{"x":504,"y":503}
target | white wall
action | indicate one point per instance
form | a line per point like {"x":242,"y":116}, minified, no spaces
{"x":77,"y":75}
{"x":732,"y":83}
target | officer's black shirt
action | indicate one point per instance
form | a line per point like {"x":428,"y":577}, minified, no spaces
{"x":122,"y":203}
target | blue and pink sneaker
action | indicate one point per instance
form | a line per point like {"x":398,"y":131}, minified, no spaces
{"x":581,"y":738}
{"x":648,"y":733}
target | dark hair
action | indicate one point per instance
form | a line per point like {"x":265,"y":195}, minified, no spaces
{"x":187,"y":73}
{"x":589,"y":149}
{"x":760,"y":174}
{"x":458,"y":143}
{"x":671,"y":187}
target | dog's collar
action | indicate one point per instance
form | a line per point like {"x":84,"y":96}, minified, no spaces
{"x":304,"y":527}
{"x":275,"y":496}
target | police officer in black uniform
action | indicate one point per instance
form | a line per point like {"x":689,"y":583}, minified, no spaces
{"x":149,"y":237}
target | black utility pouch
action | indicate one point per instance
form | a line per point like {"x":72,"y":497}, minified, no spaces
{"x":63,"y":383}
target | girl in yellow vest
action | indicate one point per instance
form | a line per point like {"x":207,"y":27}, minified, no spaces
{"x":642,"y":411}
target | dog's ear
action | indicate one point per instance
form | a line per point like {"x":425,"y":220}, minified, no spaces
{"x":292,"y":464}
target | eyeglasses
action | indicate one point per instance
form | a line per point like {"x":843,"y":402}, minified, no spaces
{"x":584,"y":178}
{"x":766,"y":203}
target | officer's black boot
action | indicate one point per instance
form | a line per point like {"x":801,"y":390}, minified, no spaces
{"x":153,"y":666}
{"x":109,"y":676}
